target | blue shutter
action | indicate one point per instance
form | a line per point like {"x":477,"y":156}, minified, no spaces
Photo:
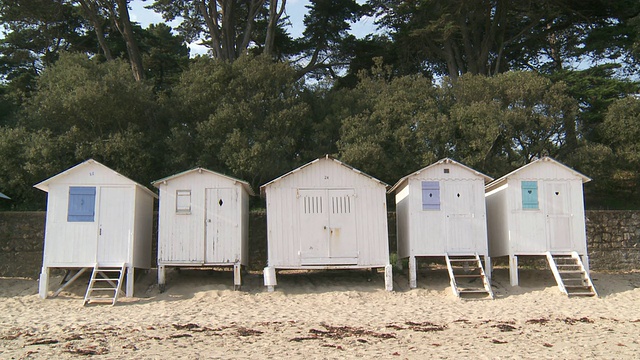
{"x":530,"y":195}
{"x":430,"y":195}
{"x":82,"y":204}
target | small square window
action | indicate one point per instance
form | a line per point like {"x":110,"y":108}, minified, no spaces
{"x":183,"y":201}
{"x":82,"y":204}
{"x":446,"y":171}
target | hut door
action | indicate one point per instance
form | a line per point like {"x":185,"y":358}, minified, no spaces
{"x":460,"y":213}
{"x":327,"y":227}
{"x":221,"y":225}
{"x":343,"y":245}
{"x":557,"y":204}
{"x":114,"y":224}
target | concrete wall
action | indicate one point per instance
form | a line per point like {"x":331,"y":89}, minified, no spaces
{"x":613,"y":241}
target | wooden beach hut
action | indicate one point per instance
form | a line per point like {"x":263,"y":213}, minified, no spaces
{"x":440,"y":212}
{"x":538,"y":210}
{"x":326,"y":215}
{"x":96,"y":219}
{"x":203,"y":222}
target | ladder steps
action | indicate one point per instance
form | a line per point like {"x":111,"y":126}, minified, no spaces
{"x":107,"y":282}
{"x":471,"y":269}
{"x":570,"y":274}
{"x":479,"y":291}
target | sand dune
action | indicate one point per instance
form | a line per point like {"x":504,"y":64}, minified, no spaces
{"x":324,"y":314}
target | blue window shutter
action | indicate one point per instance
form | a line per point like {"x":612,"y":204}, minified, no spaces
{"x":530,"y":195}
{"x":82,"y":204}
{"x":430,"y":195}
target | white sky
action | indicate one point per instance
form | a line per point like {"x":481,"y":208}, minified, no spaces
{"x":295,"y":9}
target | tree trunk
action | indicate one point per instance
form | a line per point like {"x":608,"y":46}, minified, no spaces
{"x":210,"y":13}
{"x":91,"y":14}
{"x":125,"y":28}
{"x":274,"y":16}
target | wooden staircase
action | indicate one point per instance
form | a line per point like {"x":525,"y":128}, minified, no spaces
{"x":571,"y":275}
{"x":467,"y":275}
{"x":105,"y":284}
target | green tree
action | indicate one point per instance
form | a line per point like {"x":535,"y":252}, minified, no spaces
{"x":621,"y":132}
{"x":245,"y":118}
{"x":508,"y":120}
{"x":229,"y":27}
{"x":34,"y":34}
{"x":394,"y":127}
{"x":98,"y":110}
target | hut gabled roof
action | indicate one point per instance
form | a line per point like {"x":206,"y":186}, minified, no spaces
{"x":244,"y":184}
{"x":44,"y":185}
{"x":499,"y":182}
{"x":327,"y":157}
{"x":439,"y":162}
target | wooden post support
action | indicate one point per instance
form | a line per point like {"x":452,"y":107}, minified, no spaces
{"x":270,"y":281}
{"x":413,"y":282}
{"x":44,"y":282}
{"x":237,"y":278}
{"x":162,"y":280}
{"x":130,"y":279}
{"x":388,"y":277}
{"x":585,"y":263}
{"x":513,"y":270}
{"x":487,"y":266}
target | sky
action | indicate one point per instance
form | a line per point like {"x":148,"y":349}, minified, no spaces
{"x":295,"y":9}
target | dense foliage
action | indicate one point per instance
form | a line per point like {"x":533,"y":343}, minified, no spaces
{"x":494,"y":84}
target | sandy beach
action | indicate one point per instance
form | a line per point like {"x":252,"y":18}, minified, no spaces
{"x":324,"y":315}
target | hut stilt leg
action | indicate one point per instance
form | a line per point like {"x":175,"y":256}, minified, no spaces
{"x":513,"y":270}
{"x":413,"y":283}
{"x":237,"y":279}
{"x":130,"y":278}
{"x":388,"y":277}
{"x":161,"y":278}
{"x":585,"y":263}
{"x":487,"y":266}
{"x":270,"y":278}
{"x":44,"y":282}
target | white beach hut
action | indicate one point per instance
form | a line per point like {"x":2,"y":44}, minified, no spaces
{"x":538,"y":209}
{"x":440,"y":212}
{"x":326,"y":215}
{"x":96,"y":219}
{"x":203,"y":222}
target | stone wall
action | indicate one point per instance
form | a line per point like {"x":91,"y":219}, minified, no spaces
{"x":613,"y":241}
{"x":21,"y":241}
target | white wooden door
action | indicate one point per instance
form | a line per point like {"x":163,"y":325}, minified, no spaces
{"x":460,"y":216}
{"x":114,"y":225}
{"x":221,"y":225}
{"x":343,"y":244}
{"x":314,"y":225}
{"x":558,"y":213}
{"x":327,"y":219}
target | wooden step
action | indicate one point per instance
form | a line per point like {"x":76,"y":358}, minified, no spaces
{"x":470,"y":270}
{"x":105,"y":281}
{"x":571,"y":275}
